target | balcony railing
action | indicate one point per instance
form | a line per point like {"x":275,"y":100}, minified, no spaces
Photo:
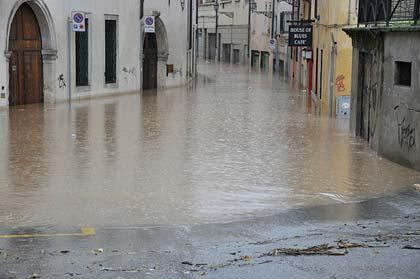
{"x":386,"y":11}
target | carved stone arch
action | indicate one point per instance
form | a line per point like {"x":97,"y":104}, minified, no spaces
{"x":49,"y":44}
{"x":162,"y":38}
{"x":45,"y":21}
{"x":163,"y":51}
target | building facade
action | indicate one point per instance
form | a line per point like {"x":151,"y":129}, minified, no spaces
{"x":300,"y":66}
{"x":332,"y":51}
{"x":231,"y":43}
{"x":262,"y":55}
{"x":324,"y":68}
{"x":45,"y":61}
{"x":283,"y":16}
{"x":385,"y":98}
{"x":174,"y":41}
{"x":267,"y":24}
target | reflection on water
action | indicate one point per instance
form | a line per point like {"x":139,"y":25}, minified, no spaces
{"x":235,"y":145}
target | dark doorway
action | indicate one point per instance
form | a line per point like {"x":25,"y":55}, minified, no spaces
{"x":364,"y":96}
{"x":255,"y":58}
{"x":150,"y":62}
{"x":212,"y":46}
{"x":236,"y":58}
{"x":226,"y":53}
{"x":25,"y":65}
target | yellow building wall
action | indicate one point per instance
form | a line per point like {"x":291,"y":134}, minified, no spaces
{"x":334,"y":16}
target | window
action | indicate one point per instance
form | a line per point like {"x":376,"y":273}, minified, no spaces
{"x":110,"y":51}
{"x":82,"y":57}
{"x":402,"y":73}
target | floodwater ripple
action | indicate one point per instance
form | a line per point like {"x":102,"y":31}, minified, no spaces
{"x":237,"y":144}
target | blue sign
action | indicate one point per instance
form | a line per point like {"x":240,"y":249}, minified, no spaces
{"x":78,"y":21}
{"x":149,"y":24}
{"x":78,"y":18}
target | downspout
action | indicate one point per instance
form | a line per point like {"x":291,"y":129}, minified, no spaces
{"x":349,"y":13}
{"x":69,"y":62}
{"x":272,"y":19}
{"x":141,"y":44}
{"x":249,"y":29}
{"x":196,"y":38}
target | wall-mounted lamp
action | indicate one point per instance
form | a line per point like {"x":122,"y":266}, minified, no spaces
{"x":182,"y":4}
{"x":253,"y":5}
{"x":216,"y":6}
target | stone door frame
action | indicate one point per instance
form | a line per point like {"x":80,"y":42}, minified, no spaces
{"x":49,"y":46}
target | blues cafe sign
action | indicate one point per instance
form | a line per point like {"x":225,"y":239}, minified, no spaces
{"x":300,"y":35}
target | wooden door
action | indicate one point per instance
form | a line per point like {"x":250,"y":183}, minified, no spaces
{"x":150,"y":62}
{"x":25,"y":65}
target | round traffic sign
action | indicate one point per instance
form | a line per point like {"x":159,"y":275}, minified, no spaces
{"x":273,"y":43}
{"x":149,"y":21}
{"x":78,"y":17}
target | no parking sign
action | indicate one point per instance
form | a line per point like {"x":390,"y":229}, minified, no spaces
{"x":78,"y":21}
{"x":149,"y":24}
{"x":272,"y":43}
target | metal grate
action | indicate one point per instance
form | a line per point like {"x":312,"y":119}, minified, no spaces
{"x":386,"y":11}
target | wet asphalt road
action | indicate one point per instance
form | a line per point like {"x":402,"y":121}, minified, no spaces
{"x":234,"y":250}
{"x":246,"y":173}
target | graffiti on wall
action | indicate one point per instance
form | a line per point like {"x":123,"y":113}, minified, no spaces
{"x":129,"y":73}
{"x":406,"y":134}
{"x":61,"y":81}
{"x":339,"y":82}
{"x":406,"y":130}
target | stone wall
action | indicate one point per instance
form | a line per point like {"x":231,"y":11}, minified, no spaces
{"x":400,"y":139}
{"x":385,"y":113}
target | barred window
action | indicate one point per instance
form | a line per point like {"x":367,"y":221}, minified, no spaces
{"x":110,"y":51}
{"x":82,"y":57}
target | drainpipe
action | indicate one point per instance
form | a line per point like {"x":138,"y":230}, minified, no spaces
{"x":272,"y":19}
{"x":249,"y":28}
{"x":196,"y":38}
{"x":217,"y":30}
{"x":348,"y":14}
{"x":69,"y":35}
{"x":141,"y":44}
{"x":273,"y":31}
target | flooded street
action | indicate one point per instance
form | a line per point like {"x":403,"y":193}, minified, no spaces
{"x":238,"y":144}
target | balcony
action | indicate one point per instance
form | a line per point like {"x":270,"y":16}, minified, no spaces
{"x":388,"y":11}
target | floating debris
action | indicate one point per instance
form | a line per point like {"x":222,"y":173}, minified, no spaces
{"x":324,"y":249}
{"x":341,"y":244}
{"x":246,"y":258}
{"x":409,"y":247}
{"x":98,"y":251}
{"x":120,"y":270}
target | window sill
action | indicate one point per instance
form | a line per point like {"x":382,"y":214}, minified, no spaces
{"x":111,"y":85}
{"x":82,"y":89}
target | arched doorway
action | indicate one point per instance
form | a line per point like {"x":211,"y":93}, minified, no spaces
{"x":150,"y":63}
{"x":25,"y":62}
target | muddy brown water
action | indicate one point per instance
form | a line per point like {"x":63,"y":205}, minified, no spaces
{"x":239,"y":144}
